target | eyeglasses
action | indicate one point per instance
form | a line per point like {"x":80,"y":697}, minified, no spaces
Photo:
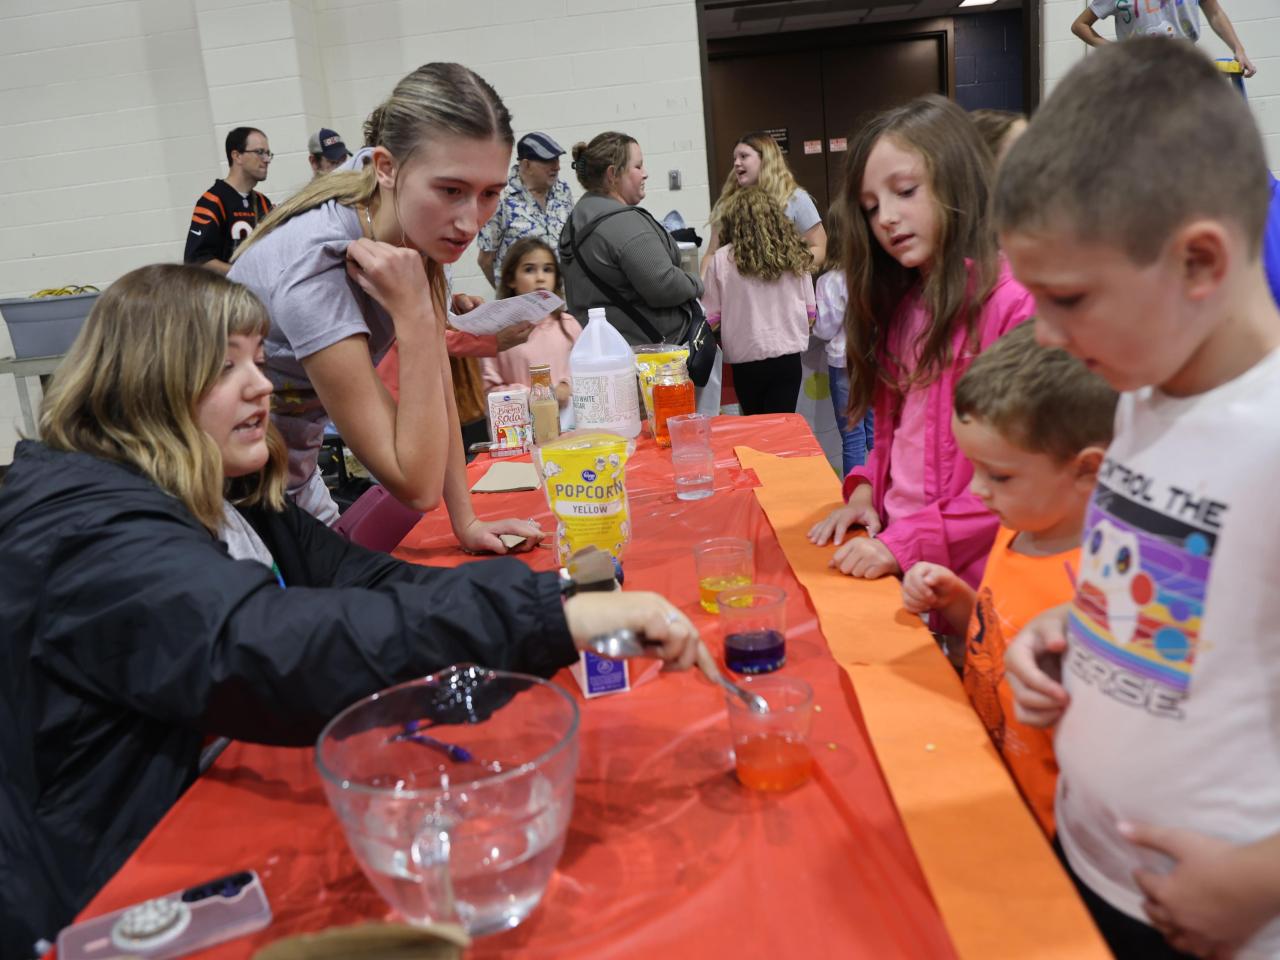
{"x":262,"y":154}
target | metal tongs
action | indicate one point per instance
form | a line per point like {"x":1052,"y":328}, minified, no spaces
{"x":624,"y":644}
{"x":592,"y":569}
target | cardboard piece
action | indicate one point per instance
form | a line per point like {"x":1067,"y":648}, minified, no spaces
{"x":507,"y":477}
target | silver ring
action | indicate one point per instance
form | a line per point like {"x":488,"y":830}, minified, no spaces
{"x":673,"y":617}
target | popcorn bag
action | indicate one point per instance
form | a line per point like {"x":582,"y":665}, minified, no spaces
{"x":584,"y":476}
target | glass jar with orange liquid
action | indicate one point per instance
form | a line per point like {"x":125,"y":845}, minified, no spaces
{"x":672,"y":397}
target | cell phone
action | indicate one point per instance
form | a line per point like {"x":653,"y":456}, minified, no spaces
{"x":174,"y":925}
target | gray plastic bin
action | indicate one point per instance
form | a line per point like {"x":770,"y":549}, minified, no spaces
{"x":45,"y":326}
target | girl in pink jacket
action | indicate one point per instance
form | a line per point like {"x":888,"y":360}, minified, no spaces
{"x":928,"y":291}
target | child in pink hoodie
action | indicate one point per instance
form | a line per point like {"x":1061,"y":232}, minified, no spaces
{"x":928,"y":291}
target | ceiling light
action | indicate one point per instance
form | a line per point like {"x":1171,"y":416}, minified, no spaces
{"x":976,"y":3}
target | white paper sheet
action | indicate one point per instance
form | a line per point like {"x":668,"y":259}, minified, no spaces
{"x":496,"y":315}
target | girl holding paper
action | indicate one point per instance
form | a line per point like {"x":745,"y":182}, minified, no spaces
{"x":355,"y":260}
{"x":531,"y":265}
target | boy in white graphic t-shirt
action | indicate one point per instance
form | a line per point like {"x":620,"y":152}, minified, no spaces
{"x":1163,"y":674}
{"x":1179,"y":19}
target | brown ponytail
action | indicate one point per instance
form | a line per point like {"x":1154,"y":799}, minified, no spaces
{"x":591,"y":161}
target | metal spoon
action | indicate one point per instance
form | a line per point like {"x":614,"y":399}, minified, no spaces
{"x":623,"y":644}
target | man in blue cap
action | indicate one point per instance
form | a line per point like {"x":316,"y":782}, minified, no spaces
{"x":326,"y":152}
{"x":536,"y":202}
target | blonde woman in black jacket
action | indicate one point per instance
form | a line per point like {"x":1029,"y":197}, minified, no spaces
{"x":157,"y":589}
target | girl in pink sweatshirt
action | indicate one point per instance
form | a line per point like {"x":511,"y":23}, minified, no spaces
{"x":759,"y":295}
{"x":531,"y":265}
{"x":928,"y":291}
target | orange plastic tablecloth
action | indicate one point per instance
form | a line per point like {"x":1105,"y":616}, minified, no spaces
{"x":667,"y":855}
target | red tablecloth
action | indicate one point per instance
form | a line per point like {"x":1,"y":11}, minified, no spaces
{"x":667,"y":855}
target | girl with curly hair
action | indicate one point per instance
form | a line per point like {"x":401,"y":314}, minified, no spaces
{"x":758,"y":161}
{"x":760,"y":296}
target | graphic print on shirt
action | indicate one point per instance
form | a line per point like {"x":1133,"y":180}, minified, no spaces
{"x":1144,"y":571}
{"x":984,"y":666}
{"x":1157,"y":17}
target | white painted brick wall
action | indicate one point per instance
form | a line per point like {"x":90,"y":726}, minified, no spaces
{"x":112,"y":112}
{"x":572,"y":68}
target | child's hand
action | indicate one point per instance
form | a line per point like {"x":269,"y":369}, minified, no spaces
{"x":857,"y":512}
{"x":1033,"y":664}
{"x":866,"y":558}
{"x":1213,"y":900}
{"x":564,"y":393}
{"x":928,"y":586}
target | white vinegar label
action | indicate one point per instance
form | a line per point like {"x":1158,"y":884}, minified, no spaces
{"x":605,"y":399}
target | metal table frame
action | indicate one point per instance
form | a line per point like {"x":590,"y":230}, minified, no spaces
{"x":22,"y":371}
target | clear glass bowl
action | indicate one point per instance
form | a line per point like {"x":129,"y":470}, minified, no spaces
{"x":455,"y":792}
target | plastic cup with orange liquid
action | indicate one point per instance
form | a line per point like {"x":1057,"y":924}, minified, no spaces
{"x":771,"y":750}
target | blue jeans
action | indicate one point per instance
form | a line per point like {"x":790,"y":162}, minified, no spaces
{"x":855,"y":441}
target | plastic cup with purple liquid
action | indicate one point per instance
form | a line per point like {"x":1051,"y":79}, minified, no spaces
{"x":754,"y":622}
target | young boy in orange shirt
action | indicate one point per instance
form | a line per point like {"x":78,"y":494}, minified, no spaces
{"x":1035,"y":423}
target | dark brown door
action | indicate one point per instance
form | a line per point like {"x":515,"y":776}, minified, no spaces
{"x":780,"y":91}
{"x":818,"y":86}
{"x":860,"y":80}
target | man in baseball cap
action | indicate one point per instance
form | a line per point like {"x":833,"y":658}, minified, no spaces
{"x":536,"y":202}
{"x":539,"y":146}
{"x":327,"y":151}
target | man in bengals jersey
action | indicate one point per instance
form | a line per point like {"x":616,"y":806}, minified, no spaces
{"x":228,"y":211}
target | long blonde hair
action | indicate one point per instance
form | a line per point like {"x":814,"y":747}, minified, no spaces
{"x":965,"y":258}
{"x":776,"y":178}
{"x":765,"y":243}
{"x":434,"y":100}
{"x":128,"y":390}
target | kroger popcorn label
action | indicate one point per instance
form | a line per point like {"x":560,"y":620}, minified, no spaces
{"x":584,"y":476}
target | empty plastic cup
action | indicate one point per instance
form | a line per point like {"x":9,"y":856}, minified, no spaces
{"x":691,"y":456}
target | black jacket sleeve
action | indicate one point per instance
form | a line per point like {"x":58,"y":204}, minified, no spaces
{"x":152,"y":614}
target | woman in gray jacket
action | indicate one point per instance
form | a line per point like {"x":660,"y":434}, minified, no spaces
{"x":622,"y":246}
